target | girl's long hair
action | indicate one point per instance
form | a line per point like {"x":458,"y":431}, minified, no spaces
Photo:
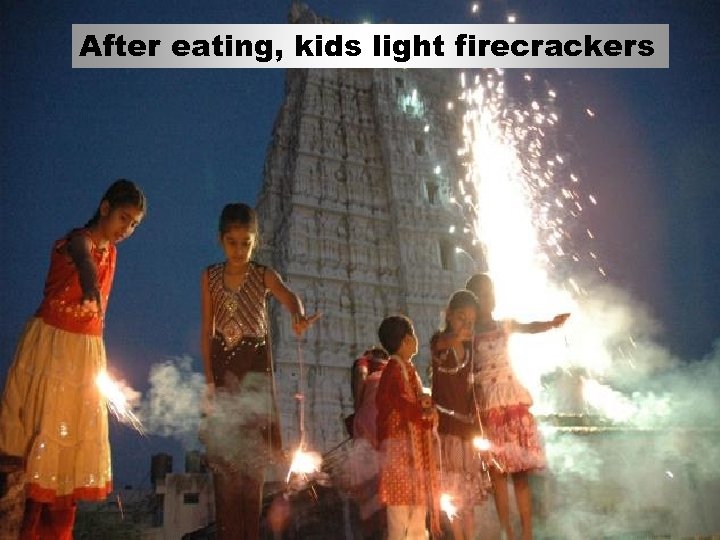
{"x":122,"y":192}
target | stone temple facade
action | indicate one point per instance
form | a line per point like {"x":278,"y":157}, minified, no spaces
{"x":356,"y":211}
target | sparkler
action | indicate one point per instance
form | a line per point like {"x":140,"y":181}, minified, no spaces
{"x":481,"y":443}
{"x":120,"y":507}
{"x":304,"y":463}
{"x":524,"y":213}
{"x":447,"y":506}
{"x":522,"y":202}
{"x":118,"y":396}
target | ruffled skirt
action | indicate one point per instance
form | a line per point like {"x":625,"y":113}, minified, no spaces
{"x":463,"y":475}
{"x":54,"y":416}
{"x":514,"y":438}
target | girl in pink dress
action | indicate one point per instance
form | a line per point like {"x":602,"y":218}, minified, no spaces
{"x":505,"y":406}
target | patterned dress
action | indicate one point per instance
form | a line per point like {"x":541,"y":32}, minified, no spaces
{"x":408,"y":475}
{"x":52,"y":412}
{"x":242,"y":433}
{"x":462,"y":473}
{"x":242,"y":371}
{"x":505,"y":404}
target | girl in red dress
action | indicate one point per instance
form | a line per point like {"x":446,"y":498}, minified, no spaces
{"x":52,"y":414}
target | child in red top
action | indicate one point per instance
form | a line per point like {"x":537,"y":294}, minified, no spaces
{"x":364,"y":462}
{"x":52,"y":414}
{"x":408,"y":475}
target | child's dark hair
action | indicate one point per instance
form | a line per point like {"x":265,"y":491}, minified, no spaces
{"x":238,"y":215}
{"x":392,"y":331}
{"x":121,"y":192}
{"x":476,"y":282}
{"x":376,"y":353}
{"x":460,"y":300}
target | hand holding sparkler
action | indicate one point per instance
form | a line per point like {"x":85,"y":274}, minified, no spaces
{"x":301,"y":322}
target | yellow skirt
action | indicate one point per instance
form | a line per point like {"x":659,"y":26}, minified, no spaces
{"x":53,"y":415}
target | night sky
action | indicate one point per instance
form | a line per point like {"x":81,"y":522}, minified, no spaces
{"x":196,"y":139}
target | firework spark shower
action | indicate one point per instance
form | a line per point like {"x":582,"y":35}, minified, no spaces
{"x":524,"y":205}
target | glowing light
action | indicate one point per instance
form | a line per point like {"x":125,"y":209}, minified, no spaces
{"x":512,"y":169}
{"x":437,"y":169}
{"x":512,"y":18}
{"x":119,"y":396}
{"x":481,"y":443}
{"x":590,"y":113}
{"x":669,"y":474}
{"x":426,"y":128}
{"x":304,"y":463}
{"x":451,"y":229}
{"x":412,"y":105}
{"x":475,"y":7}
{"x":447,"y":506}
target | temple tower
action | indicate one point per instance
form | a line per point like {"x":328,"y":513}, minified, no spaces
{"x":356,"y":211}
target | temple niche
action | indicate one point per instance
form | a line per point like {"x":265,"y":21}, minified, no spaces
{"x":353,"y":213}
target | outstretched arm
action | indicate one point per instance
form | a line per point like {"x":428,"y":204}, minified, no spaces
{"x":536,"y":327}
{"x":290,"y":300}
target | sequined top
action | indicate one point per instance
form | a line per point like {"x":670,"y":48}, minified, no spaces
{"x":62,"y":304}
{"x":452,"y":392}
{"x":238,"y":313}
